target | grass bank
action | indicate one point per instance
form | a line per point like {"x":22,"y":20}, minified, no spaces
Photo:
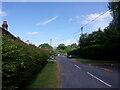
{"x":47,"y":78}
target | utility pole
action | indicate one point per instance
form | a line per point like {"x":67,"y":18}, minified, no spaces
{"x":50,"y":42}
{"x":50,"y":45}
{"x":81,"y":35}
{"x":81,"y":30}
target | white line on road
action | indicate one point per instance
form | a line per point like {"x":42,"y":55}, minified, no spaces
{"x":99,"y":79}
{"x":77,"y":66}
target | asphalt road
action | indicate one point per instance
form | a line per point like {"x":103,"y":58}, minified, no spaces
{"x":74,"y":74}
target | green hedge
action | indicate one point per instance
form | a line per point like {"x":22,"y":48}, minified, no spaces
{"x":92,"y":51}
{"x":20,"y":62}
{"x":97,"y":51}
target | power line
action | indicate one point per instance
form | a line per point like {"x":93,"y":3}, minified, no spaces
{"x":92,"y":21}
{"x":78,"y":32}
{"x":72,"y":34}
{"x":95,"y":18}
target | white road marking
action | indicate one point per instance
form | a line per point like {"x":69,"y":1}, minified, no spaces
{"x":77,"y":66}
{"x":99,"y":79}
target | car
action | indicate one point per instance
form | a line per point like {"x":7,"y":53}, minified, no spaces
{"x":69,"y":56}
{"x":58,"y":54}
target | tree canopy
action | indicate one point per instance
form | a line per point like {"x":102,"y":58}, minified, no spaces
{"x":102,"y":44}
{"x":46,"y":46}
{"x":61,"y":47}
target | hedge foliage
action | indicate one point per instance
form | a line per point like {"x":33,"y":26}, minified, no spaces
{"x":93,"y":51}
{"x":20,"y":62}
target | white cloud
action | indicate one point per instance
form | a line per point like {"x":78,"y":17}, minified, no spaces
{"x":103,"y":18}
{"x":3,"y":13}
{"x":46,"y":22}
{"x":32,"y":33}
{"x":69,"y":42}
{"x":101,"y":22}
{"x":66,"y":42}
{"x":77,"y":16}
{"x":57,"y":37}
{"x":70,"y":19}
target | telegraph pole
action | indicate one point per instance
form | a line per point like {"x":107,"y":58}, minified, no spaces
{"x":50,"y":42}
{"x":81,"y":35}
{"x":51,"y":46}
{"x":81,"y":30}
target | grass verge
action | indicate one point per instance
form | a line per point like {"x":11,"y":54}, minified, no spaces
{"x":96,"y":61}
{"x":47,"y":78}
{"x":106,"y":65}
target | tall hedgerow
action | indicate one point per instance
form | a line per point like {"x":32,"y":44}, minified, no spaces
{"x":20,"y":62}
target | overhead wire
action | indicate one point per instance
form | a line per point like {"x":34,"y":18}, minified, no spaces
{"x":95,"y":18}
{"x":81,"y":28}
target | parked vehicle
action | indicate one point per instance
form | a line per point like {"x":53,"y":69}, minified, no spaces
{"x":69,"y":56}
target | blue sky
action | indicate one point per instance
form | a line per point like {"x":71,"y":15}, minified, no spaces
{"x":39,"y":22}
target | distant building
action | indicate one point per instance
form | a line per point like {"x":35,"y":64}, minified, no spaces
{"x":4,"y":25}
{"x":27,"y":42}
{"x":46,"y":49}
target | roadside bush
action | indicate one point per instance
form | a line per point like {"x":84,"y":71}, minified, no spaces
{"x":92,"y":51}
{"x":20,"y":62}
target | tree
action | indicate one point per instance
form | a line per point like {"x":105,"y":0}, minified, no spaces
{"x":102,"y":44}
{"x":61,"y":47}
{"x":96,"y":37}
{"x":46,"y":46}
{"x":115,"y":9}
{"x":83,"y":40}
{"x":74,"y":46}
{"x":115,"y":12}
{"x":71,"y":47}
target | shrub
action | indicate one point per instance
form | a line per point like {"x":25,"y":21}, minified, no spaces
{"x":92,"y":51}
{"x":20,"y":62}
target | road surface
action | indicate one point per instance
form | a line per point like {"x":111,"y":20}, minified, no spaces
{"x":74,"y":74}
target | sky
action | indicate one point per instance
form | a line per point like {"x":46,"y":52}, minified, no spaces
{"x":39,"y":22}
